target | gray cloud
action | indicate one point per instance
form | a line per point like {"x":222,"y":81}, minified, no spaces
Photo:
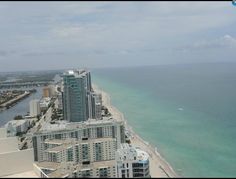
{"x":221,"y":43}
{"x":113,"y":33}
{"x":3,"y":53}
{"x":32,"y":54}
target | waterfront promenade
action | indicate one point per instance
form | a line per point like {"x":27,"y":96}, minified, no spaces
{"x":158,"y":166}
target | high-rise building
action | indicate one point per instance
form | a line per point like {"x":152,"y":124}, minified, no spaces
{"x":47,"y":92}
{"x":132,"y":162}
{"x":34,"y":108}
{"x":90,"y":129}
{"x":77,"y":86}
{"x":60,"y":106}
{"x":83,"y":149}
{"x":96,"y":105}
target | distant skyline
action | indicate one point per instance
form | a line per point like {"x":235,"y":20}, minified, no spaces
{"x":63,"y":35}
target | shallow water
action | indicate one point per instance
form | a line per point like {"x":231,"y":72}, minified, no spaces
{"x":187,"y":111}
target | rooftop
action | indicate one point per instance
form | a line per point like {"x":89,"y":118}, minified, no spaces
{"x":17,"y":122}
{"x":128,"y":152}
{"x":77,"y":73}
{"x":59,"y":173}
{"x":27,"y":174}
{"x":65,"y":125}
{"x":48,"y":165}
{"x":66,"y":143}
{"x":142,"y":155}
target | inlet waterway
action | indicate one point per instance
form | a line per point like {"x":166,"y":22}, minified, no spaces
{"x":20,"y":108}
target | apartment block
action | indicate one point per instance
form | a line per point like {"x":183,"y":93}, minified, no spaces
{"x":132,"y":162}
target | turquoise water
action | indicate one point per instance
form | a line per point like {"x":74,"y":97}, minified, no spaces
{"x":187,"y":111}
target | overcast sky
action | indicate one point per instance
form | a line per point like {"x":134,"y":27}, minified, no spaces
{"x":56,"y":35}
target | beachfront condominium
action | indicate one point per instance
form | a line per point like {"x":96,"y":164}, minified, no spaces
{"x":83,"y":149}
{"x":132,"y":162}
{"x":90,"y":155}
{"x":96,"y":102}
{"x":76,"y":88}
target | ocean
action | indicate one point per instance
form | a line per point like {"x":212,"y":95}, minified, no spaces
{"x":187,"y":111}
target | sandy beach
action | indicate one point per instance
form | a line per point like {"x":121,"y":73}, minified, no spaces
{"x":158,"y":166}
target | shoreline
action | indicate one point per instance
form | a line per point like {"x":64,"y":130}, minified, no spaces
{"x":12,"y":102}
{"x":159,"y":167}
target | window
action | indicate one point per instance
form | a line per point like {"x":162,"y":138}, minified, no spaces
{"x":85,"y":152}
{"x":103,"y":172}
{"x":77,"y":153}
{"x":70,"y":155}
{"x":58,"y":136}
{"x":99,"y":132}
{"x":98,"y":151}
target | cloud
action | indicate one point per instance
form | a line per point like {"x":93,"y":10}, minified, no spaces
{"x":42,"y":53}
{"x":225,"y":42}
{"x":110,"y":31}
{"x":5,"y":53}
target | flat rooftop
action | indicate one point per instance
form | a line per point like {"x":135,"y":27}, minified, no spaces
{"x":65,"y":125}
{"x":67,"y":143}
{"x":58,"y":173}
{"x":126,"y":149}
{"x":48,"y":165}
{"x":27,"y":174}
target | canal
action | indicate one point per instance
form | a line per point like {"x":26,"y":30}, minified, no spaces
{"x":21,"y":108}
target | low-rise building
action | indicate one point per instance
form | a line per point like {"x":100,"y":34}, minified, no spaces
{"x":44,"y":103}
{"x":17,"y":126}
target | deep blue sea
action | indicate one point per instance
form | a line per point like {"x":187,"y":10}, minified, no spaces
{"x":187,"y":111}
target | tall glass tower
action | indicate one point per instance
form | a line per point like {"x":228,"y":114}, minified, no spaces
{"x":77,"y":85}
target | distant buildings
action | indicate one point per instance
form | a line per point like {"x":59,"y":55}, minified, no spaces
{"x":49,"y":91}
{"x":60,"y":104}
{"x":44,"y":103}
{"x":34,"y":108}
{"x":132,"y":162}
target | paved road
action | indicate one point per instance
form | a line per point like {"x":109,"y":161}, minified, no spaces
{"x":44,"y":120}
